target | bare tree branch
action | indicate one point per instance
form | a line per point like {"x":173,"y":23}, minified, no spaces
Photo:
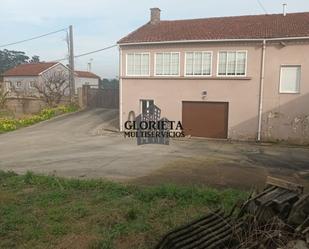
{"x":54,"y":87}
{"x":3,"y":97}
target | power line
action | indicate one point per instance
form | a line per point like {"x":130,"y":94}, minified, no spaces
{"x":33,"y":38}
{"x":95,"y":51}
{"x":262,"y":6}
{"x":91,"y":52}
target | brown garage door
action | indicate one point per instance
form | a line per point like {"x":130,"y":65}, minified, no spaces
{"x":205,"y":119}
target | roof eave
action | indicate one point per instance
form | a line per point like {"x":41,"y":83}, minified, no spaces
{"x":216,"y":40}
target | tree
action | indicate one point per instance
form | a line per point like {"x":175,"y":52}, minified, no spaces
{"x":54,"y":87}
{"x":11,"y":58}
{"x":35,"y":59}
{"x":109,"y":83}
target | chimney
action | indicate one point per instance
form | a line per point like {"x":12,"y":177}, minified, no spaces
{"x":155,"y":15}
{"x":284,"y":9}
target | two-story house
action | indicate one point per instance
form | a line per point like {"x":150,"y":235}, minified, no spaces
{"x":242,"y":77}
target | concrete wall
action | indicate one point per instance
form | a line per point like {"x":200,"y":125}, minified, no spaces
{"x":242,"y":93}
{"x":25,"y":105}
{"x":286,"y":116}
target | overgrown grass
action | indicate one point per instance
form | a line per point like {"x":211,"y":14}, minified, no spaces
{"x":11,"y":124}
{"x":50,"y":212}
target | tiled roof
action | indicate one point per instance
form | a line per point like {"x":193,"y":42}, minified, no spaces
{"x":30,"y":69}
{"x":34,"y":69}
{"x":237,"y":27}
{"x":85,"y":74}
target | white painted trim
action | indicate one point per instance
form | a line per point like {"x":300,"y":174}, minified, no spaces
{"x":236,"y":75}
{"x":59,"y":63}
{"x":195,"y":75}
{"x":280,"y":78}
{"x":50,"y":68}
{"x":138,"y":75}
{"x":166,"y":75}
{"x":217,"y":40}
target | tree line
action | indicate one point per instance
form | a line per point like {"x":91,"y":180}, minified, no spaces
{"x":12,"y":58}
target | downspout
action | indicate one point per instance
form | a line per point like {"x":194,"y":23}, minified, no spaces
{"x":261,"y":92}
{"x":120,"y":89}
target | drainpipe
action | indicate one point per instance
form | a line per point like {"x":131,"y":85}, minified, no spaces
{"x":120,"y":89}
{"x":261,"y":91}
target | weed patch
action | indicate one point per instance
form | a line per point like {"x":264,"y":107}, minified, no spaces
{"x":49,"y":212}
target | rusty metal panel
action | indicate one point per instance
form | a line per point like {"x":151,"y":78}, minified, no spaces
{"x":205,"y":119}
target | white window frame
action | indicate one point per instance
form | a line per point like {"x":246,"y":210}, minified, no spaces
{"x":16,"y":84}
{"x":202,"y":75}
{"x":280,"y":78}
{"x":166,"y":75}
{"x":141,"y":103}
{"x":8,"y":85}
{"x":31,"y":87}
{"x":237,"y":51}
{"x":138,"y":75}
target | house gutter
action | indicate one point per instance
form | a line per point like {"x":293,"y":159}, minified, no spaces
{"x":261,"y":91}
{"x":120,"y":89}
{"x":217,"y":40}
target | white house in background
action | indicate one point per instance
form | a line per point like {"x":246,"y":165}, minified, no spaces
{"x":23,"y":77}
{"x":86,"y":78}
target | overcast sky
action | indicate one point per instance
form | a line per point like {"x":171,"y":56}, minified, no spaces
{"x":100,"y":23}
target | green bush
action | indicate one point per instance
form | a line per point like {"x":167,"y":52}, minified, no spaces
{"x":7,"y":125}
{"x":11,"y":124}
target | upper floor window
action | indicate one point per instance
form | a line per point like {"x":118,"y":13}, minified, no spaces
{"x":198,"y":63}
{"x":290,"y":79}
{"x":138,"y":64}
{"x":232,"y":63}
{"x":167,"y":64}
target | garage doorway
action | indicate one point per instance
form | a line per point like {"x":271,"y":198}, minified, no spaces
{"x":205,"y":119}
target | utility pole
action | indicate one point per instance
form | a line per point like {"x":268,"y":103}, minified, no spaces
{"x":71,"y":63}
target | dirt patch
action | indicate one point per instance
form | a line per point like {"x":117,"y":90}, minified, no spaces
{"x":76,"y":241}
{"x":217,"y":173}
{"x":6,"y":197}
{"x":130,"y":241}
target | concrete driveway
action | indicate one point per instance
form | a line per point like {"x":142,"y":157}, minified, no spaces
{"x":82,"y":145}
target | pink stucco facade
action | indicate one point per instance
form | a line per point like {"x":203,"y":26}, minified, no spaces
{"x":285,"y":116}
